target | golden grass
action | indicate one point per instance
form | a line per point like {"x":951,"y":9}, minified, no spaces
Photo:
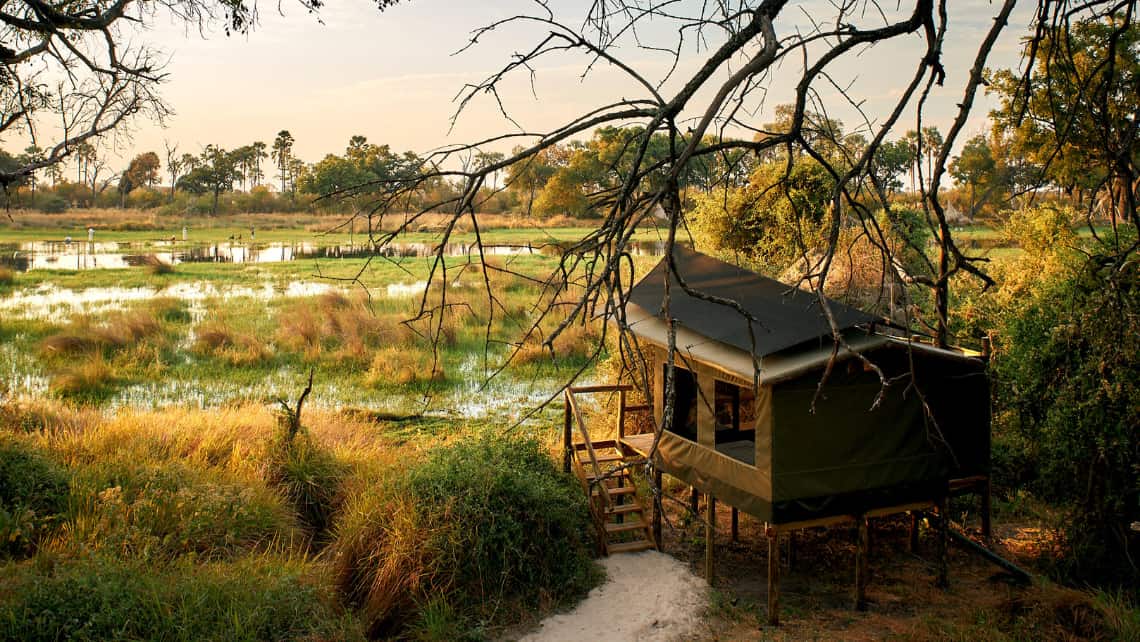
{"x":216,"y":339}
{"x":120,"y":331}
{"x":339,"y":327}
{"x":400,"y":366}
{"x":7,"y":276}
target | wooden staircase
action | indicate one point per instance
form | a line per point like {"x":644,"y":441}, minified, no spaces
{"x":604,"y":469}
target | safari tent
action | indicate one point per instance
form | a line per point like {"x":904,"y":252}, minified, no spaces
{"x":758,"y":426}
{"x":752,"y":424}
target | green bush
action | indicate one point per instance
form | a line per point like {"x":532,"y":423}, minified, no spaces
{"x":160,"y":513}
{"x":479,"y":529}
{"x":33,"y":496}
{"x":1068,"y":375}
{"x":101,"y":599}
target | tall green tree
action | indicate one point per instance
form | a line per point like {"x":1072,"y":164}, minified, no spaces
{"x":975,"y":168}
{"x":1076,"y":118}
{"x":283,"y":157}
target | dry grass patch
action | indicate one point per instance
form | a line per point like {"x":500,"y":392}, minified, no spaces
{"x":338,"y":327}
{"x":215,"y":339}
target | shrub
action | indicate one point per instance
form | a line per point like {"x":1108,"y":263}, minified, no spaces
{"x":479,"y":526}
{"x":33,"y":495}
{"x":160,"y":513}
{"x":7,"y":277}
{"x":102,"y":599}
{"x":1068,"y":370}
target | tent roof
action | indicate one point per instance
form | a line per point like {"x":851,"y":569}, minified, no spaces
{"x":777,"y":367}
{"x":787,"y":316}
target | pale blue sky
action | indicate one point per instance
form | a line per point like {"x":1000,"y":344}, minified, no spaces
{"x":392,"y":76}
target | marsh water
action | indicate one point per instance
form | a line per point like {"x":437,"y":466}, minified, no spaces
{"x":69,"y":254}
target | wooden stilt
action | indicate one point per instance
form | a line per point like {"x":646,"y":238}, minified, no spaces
{"x":862,"y":548}
{"x":912,"y":539}
{"x":567,"y":446}
{"x":694,"y":498}
{"x":773,"y":576}
{"x":735,"y":524}
{"x":791,"y":549}
{"x":986,"y":508}
{"x":710,"y":537}
{"x":943,"y":580}
{"x":657,"y":508}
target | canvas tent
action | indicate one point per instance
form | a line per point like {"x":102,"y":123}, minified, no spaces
{"x":752,"y":426}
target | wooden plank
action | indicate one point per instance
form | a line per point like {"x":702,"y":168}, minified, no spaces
{"x":625,"y":527}
{"x":583,"y":390}
{"x":625,"y":490}
{"x":631,"y":547}
{"x":812,"y":523}
{"x":623,"y":509}
{"x":621,"y":415}
{"x":901,"y":508}
{"x":566,"y":437}
{"x":773,"y":576}
{"x":642,"y":407}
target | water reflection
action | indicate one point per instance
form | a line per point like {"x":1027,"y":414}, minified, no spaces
{"x":84,"y":255}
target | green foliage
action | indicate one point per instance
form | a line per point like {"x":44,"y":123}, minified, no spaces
{"x":33,"y":496}
{"x":154,"y":512}
{"x":103,"y":599}
{"x":1068,"y":373}
{"x":478,"y":527}
{"x":772,"y":221}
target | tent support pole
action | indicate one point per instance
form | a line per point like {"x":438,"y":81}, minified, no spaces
{"x":862,"y":548}
{"x":659,"y":504}
{"x":912,"y":535}
{"x":773,"y":576}
{"x":710,"y":537}
{"x":735,"y":524}
{"x":986,"y":488}
{"x":943,"y":580}
{"x":694,"y":499}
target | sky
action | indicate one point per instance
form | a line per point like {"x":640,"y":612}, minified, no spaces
{"x":393,"y":76}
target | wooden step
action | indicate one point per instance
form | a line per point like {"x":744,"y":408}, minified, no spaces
{"x":624,"y":490}
{"x":630,"y":547}
{"x":623,"y":527}
{"x":624,"y":509}
{"x":608,"y":476}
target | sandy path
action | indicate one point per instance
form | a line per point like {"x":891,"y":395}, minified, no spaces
{"x":646,"y":596}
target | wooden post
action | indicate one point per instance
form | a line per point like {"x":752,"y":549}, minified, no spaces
{"x":773,"y":576}
{"x":659,"y":504}
{"x":791,"y":549}
{"x":943,"y":580}
{"x":694,"y":498}
{"x":986,"y":489}
{"x":912,"y":535}
{"x":710,"y":537}
{"x":567,"y":446}
{"x":862,"y":548}
{"x":735,"y":524}
{"x":621,"y":414}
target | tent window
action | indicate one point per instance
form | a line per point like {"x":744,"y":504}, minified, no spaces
{"x":685,"y":404}
{"x":736,"y":421}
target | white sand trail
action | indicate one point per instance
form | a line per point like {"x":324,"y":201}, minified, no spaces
{"x":646,"y":596}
